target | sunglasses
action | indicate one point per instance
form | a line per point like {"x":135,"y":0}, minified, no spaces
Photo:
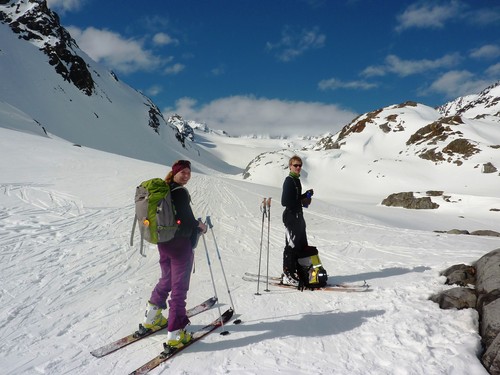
{"x":297,"y":165}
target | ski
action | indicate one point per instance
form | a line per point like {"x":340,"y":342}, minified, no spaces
{"x":168,"y":353}
{"x":346,"y":288}
{"x":144,"y":332}
{"x":262,"y":277}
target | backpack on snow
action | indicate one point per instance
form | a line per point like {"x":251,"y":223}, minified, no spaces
{"x":154,"y":212}
{"x":310,"y":269}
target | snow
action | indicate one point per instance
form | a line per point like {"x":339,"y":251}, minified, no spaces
{"x":70,"y":282}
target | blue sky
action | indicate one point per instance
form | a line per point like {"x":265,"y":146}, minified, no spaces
{"x":294,"y":66}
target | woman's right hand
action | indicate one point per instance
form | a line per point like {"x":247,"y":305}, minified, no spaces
{"x":202,"y":227}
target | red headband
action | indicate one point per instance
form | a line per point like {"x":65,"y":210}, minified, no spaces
{"x":179,"y":166}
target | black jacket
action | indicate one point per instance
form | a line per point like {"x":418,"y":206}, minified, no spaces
{"x":291,"y":195}
{"x":183,"y":212}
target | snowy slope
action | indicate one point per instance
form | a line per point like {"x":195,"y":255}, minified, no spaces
{"x":115,"y":118}
{"x":30,"y":84}
{"x":107,"y":114}
{"x":70,"y":283}
{"x":399,"y":148}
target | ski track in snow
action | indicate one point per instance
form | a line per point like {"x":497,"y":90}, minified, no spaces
{"x":70,"y":266}
{"x":52,"y":248}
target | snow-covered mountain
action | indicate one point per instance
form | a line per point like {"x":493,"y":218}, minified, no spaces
{"x":60,"y":91}
{"x":43,"y":70}
{"x":47,"y":78}
{"x":477,"y":106}
{"x":434,"y":148}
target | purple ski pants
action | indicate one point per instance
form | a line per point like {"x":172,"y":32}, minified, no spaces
{"x":176,"y":263}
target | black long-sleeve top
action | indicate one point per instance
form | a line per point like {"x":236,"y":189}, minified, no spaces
{"x":183,"y":211}
{"x":291,"y":195}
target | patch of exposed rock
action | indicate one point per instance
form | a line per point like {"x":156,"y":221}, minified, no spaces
{"x":478,"y":288}
{"x":408,"y":200}
{"x":41,"y":26}
{"x":489,"y":168}
{"x":482,"y":232}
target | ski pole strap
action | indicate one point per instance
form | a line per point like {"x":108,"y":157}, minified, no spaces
{"x":141,"y":250}
{"x":133,"y":230}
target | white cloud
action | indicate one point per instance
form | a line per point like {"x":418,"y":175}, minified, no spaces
{"x":333,"y":84}
{"x":63,"y":6}
{"x":489,"y":51}
{"x":110,"y":48}
{"x":456,"y":83}
{"x":403,"y":68}
{"x":154,"y":90}
{"x":163,"y":39}
{"x":374,"y":71}
{"x":494,"y":71}
{"x":218,"y":71}
{"x":293,"y":44}
{"x":246,"y":115}
{"x":428,"y":15}
{"x":174,"y":69}
{"x":485,"y":16}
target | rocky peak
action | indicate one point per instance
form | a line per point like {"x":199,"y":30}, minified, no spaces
{"x":154,"y":115}
{"x":444,"y":135}
{"x":184,"y":130}
{"x":33,"y":21}
{"x":487,"y":102}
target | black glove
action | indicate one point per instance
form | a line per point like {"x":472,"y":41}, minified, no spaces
{"x":305,"y":202}
{"x":301,"y":286}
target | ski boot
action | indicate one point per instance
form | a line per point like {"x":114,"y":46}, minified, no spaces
{"x":153,"y":318}
{"x":287,"y":279}
{"x":177,"y":339}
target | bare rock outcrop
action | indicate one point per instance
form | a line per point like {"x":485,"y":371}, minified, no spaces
{"x":408,"y":200}
{"x":479,"y":289}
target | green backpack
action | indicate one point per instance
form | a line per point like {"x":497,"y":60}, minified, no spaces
{"x":154,"y":212}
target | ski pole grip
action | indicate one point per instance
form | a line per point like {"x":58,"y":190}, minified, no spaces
{"x":209,"y":222}
{"x":199,"y":229}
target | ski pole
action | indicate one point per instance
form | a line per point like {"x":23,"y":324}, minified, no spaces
{"x":268,"y":231}
{"x":263,"y":208}
{"x":210,"y":225}
{"x":213,"y":281}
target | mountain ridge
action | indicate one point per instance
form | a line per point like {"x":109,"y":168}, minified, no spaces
{"x":77,"y":99}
